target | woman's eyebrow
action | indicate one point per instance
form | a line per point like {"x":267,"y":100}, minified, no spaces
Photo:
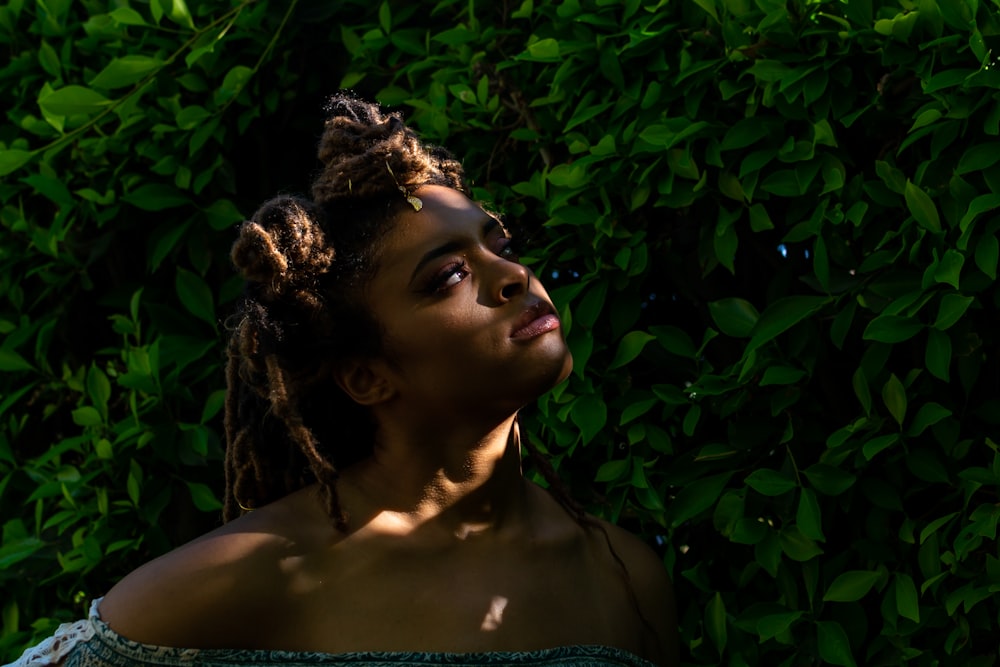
{"x":451,"y":246}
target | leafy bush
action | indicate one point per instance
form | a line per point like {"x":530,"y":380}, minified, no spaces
{"x":770,"y":228}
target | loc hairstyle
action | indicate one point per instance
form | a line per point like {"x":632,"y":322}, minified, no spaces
{"x":306,"y":262}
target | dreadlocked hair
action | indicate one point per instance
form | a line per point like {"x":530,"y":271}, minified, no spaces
{"x":306,"y":263}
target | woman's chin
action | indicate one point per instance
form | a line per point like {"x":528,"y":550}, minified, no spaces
{"x":567,"y":367}
{"x":556,"y":371}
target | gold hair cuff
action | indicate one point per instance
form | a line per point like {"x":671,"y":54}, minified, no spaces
{"x":412,"y":200}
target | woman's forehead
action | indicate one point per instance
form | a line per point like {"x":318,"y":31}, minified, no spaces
{"x":445,"y":213}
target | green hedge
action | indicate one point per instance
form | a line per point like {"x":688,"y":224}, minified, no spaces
{"x":771,"y":229}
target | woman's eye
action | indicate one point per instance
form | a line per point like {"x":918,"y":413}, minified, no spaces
{"x":453,"y":278}
{"x":508,"y":250}
{"x":449,"y":277}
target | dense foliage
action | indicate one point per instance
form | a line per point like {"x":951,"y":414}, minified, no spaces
{"x":771,"y":228}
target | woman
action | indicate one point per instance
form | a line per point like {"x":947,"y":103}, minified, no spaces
{"x":376,"y":511}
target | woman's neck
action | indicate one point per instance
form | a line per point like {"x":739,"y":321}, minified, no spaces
{"x":465,"y":480}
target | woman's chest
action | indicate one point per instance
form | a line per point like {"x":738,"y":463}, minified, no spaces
{"x":504,"y":601}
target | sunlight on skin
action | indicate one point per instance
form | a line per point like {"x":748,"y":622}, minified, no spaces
{"x":494,"y":617}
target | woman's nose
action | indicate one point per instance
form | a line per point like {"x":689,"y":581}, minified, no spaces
{"x":512,"y":280}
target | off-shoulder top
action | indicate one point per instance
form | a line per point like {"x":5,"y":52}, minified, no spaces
{"x":91,"y":642}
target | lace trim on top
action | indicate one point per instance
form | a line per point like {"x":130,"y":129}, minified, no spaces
{"x":54,"y":650}
{"x":100,"y":646}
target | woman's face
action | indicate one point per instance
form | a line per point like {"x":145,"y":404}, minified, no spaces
{"x":466,"y":327}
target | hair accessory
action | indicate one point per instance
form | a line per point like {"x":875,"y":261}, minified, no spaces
{"x":244,"y":507}
{"x":413,"y":201}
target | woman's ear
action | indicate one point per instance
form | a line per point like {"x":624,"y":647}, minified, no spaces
{"x":364,"y":382}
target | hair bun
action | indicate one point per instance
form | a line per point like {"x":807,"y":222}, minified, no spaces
{"x":282,"y":246}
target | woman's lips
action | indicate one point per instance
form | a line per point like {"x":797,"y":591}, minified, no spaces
{"x":536,"y":320}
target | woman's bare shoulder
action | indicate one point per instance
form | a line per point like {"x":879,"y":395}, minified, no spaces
{"x":212,"y":591}
{"x":653,"y":590}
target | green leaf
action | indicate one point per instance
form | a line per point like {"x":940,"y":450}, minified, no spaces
{"x":125,"y":71}
{"x":951,"y":309}
{"x":725,"y":242}
{"x":734,"y":317}
{"x":851,"y":586}
{"x":744,"y":132}
{"x":906,"y":598}
{"x":611,"y":68}
{"x":934,"y":525}
{"x":709,"y":7}
{"x":797,"y":546}
{"x":987,"y":250}
{"x":715,"y":622}
{"x":977,"y":207}
{"x":611,"y":471}
{"x":691,"y":418}
{"x":133,"y":484}
{"x":675,"y":340}
{"x":98,"y":388}
{"x":456,"y":36}
{"x":872,"y":447}
{"x":772,"y":625}
{"x":767,"y":553}
{"x":637,"y":409}
{"x":156,"y":197}
{"x":781,"y":375}
{"x":385,"y":17}
{"x":950,"y":78}
{"x":696,"y":497}
{"x":203,"y":497}
{"x":925,"y":118}
{"x":13,"y":159}
{"x":127,"y":16}
{"x":543,"y":50}
{"x":769,"y":482}
{"x":630,"y":346}
{"x":784,"y":183}
{"x":103,"y":449}
{"x":827,"y":479}
{"x":782,"y":315}
{"x":235,"y":80}
{"x":808,"y":516}
{"x":590,"y":414}
{"x":821,"y":263}
{"x":892,"y":329}
{"x":589,"y":307}
{"x":222,"y":214}
{"x":16,"y":550}
{"x":190,"y":117}
{"x":178,"y":12}
{"x":894,"y":397}
{"x":930,"y":413}
{"x":213,"y":404}
{"x":72,"y":100}
{"x":949,"y":269}
{"x":12,"y":361}
{"x":657,"y":135}
{"x":195,"y":294}
{"x":769,"y":70}
{"x":49,"y":59}
{"x":921,"y":207}
{"x":759,"y":218}
{"x":87,"y":416}
{"x":937,"y":355}
{"x":979,"y":157}
{"x":163,"y":241}
{"x":860,"y":384}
